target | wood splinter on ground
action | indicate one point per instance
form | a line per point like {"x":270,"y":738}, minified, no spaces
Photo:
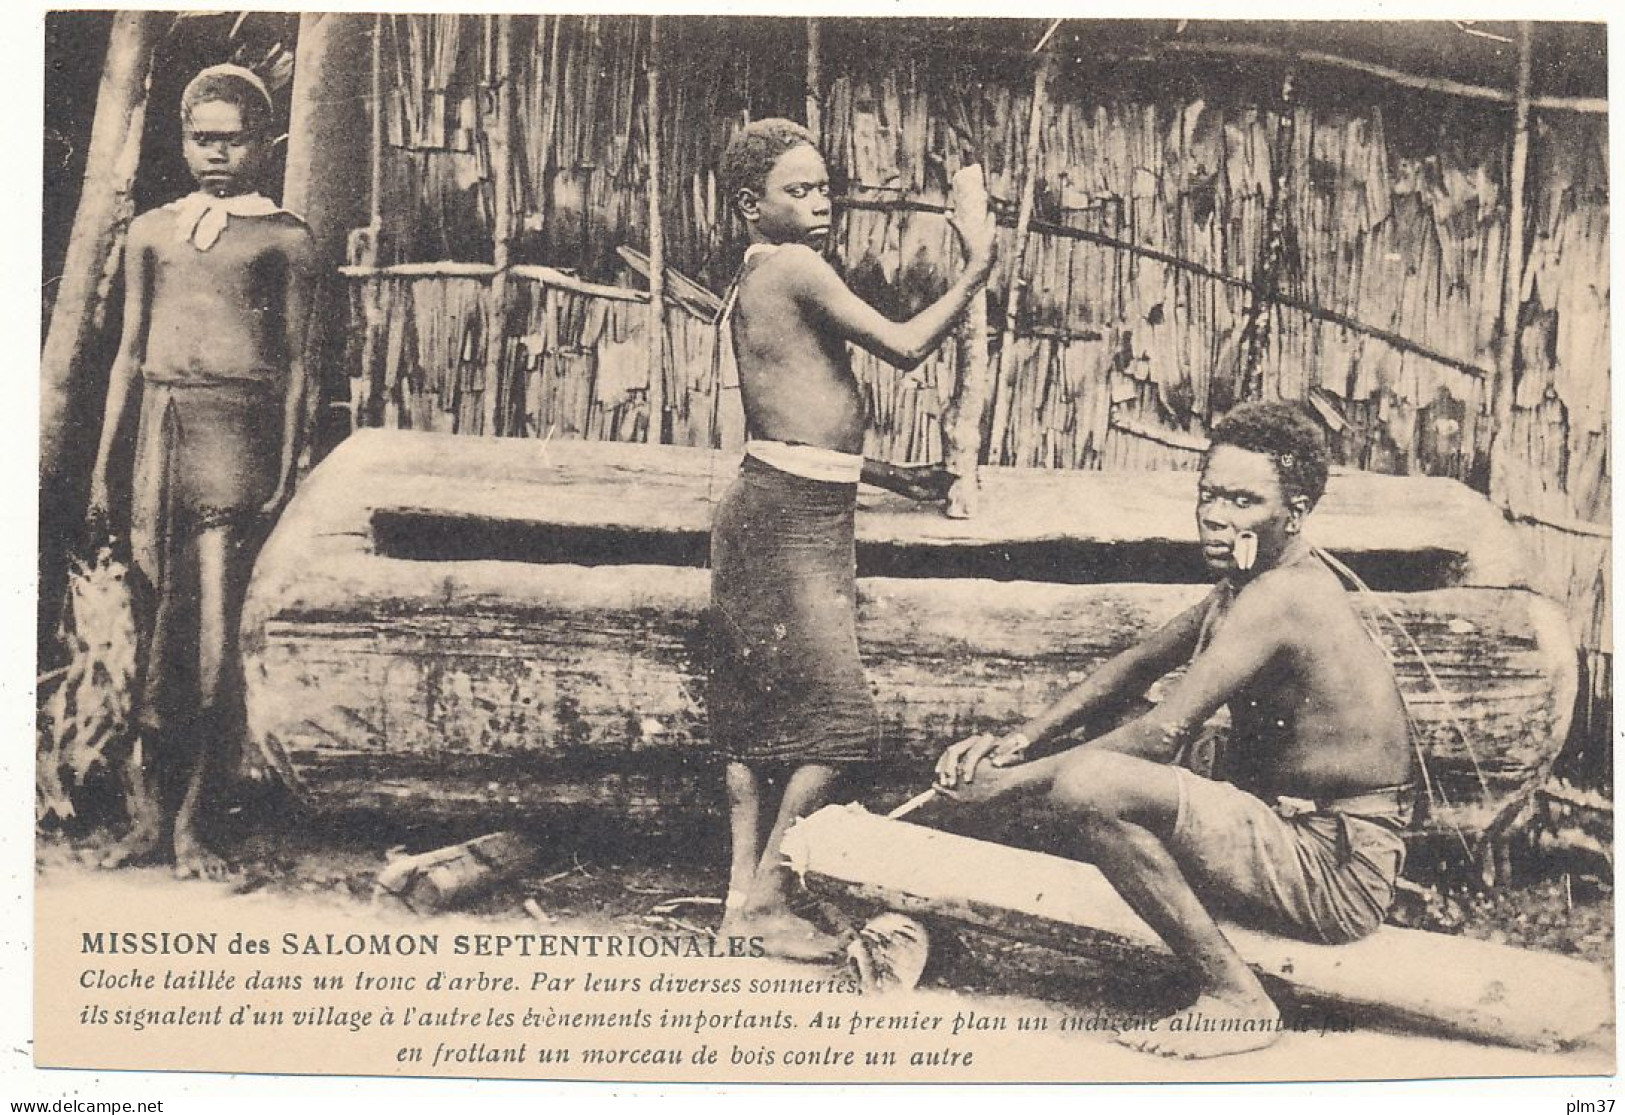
{"x":455,"y":875}
{"x":962,"y":422}
{"x":1427,"y":981}
{"x":890,"y":952}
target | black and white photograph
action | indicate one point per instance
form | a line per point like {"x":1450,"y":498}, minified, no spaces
{"x":728,"y":549}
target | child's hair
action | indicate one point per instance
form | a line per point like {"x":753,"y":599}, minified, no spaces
{"x":1286,"y":435}
{"x":235,"y":85}
{"x":755,"y":148}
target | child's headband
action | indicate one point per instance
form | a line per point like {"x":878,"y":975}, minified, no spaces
{"x":226,"y":70}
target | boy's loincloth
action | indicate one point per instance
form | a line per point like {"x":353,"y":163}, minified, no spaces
{"x":207,"y":455}
{"x":1320,"y":871}
{"x":787,"y":684}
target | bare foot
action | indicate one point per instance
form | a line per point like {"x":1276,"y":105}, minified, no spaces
{"x":786,"y":935}
{"x":1209,"y":1027}
{"x":142,"y":844}
{"x":194,"y":861}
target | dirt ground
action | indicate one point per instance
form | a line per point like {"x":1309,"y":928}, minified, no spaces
{"x":582,"y":882}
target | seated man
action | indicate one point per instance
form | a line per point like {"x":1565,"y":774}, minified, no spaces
{"x":1305,"y":837}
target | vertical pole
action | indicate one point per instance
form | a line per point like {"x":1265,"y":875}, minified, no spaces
{"x":814,"y":81}
{"x":327,"y":128}
{"x":1512,"y":276}
{"x":499,"y":135}
{"x":105,"y":207}
{"x":375,"y":218}
{"x":657,"y":251}
{"x":1015,"y":280}
{"x":962,"y":421}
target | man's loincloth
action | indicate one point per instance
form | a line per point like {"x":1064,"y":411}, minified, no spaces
{"x":787,"y":684}
{"x":1321,"y":871}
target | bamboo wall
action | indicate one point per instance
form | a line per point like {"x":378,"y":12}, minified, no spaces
{"x":1197,"y":240}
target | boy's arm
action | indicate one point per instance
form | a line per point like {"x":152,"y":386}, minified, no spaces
{"x":816,"y":286}
{"x":126,"y":364}
{"x":1257,"y":629}
{"x":296,"y":320}
{"x":1125,"y":675}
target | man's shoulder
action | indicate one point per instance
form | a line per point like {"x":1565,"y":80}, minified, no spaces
{"x":1301,"y":590}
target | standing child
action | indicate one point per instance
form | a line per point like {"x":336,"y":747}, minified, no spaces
{"x":789,"y":701}
{"x":216,"y":293}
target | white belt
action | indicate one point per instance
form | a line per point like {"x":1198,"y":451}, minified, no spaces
{"x":810,"y":462}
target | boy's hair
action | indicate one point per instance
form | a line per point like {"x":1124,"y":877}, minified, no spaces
{"x":755,"y":148}
{"x":235,"y":85}
{"x":1286,"y":435}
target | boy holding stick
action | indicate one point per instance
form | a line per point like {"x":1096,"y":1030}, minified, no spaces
{"x":789,"y":701}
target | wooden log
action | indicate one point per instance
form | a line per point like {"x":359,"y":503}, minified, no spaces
{"x":962,"y":422}
{"x":456,"y":875}
{"x":428,"y":602}
{"x":1449,"y":985}
{"x":429,"y":659}
{"x":1440,"y":531}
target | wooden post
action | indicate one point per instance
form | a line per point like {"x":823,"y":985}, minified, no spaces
{"x":327,"y":131}
{"x":962,"y":421}
{"x":815,"y":111}
{"x":105,"y":207}
{"x":657,"y":251}
{"x":500,"y":137}
{"x":375,"y":212}
{"x":1506,"y":364}
{"x":327,"y":128}
{"x":1015,"y":283}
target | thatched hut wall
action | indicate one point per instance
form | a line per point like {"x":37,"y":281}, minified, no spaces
{"x":1202,"y":233}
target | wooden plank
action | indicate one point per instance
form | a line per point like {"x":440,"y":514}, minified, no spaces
{"x":1450,"y":985}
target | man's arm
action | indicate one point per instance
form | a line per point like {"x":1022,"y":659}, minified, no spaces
{"x":126,"y":364}
{"x":816,"y":286}
{"x":1257,"y":629}
{"x":1125,"y":675}
{"x":295,"y":322}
